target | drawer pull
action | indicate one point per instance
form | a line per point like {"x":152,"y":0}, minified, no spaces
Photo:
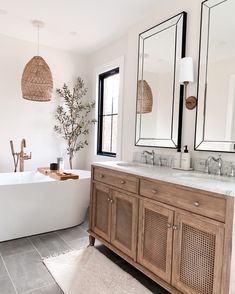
{"x":101,"y":176}
{"x":154,"y":191}
{"x":168,"y":226}
{"x":123,"y":182}
{"x":196,"y":203}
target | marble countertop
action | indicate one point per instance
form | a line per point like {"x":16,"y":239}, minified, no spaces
{"x":212,"y":183}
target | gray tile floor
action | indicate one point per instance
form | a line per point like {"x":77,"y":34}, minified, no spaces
{"x":22,"y":270}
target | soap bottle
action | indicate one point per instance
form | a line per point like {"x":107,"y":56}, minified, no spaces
{"x":177,"y":159}
{"x":185,"y":159}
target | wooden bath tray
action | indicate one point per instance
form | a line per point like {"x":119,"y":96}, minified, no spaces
{"x":44,"y":170}
{"x":61,"y":176}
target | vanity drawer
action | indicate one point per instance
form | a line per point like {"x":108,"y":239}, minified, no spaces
{"x":189,"y":199}
{"x":116,"y":179}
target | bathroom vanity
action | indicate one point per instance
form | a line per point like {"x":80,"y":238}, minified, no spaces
{"x":174,"y":226}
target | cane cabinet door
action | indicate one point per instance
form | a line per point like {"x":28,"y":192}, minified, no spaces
{"x":155,"y":239}
{"x":101,"y":211}
{"x":124,"y":222}
{"x":198,"y":254}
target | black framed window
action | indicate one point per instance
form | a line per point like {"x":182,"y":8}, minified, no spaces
{"x":108,"y":113}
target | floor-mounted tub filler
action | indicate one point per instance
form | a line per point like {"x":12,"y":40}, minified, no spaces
{"x":31,"y":203}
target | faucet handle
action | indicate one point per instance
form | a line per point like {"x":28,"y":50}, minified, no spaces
{"x":26,"y":157}
{"x":144,"y":157}
{"x":206,"y":166}
{"x":232,"y":173}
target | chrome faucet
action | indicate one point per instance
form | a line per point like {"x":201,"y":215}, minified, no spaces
{"x":220,"y":163}
{"x":20,"y":156}
{"x":152,"y":153}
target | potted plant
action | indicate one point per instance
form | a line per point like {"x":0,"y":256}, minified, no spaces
{"x":73,"y":121}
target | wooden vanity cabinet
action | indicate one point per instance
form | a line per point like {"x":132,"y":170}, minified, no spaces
{"x":114,"y":218}
{"x":197,"y":254}
{"x":155,"y":239}
{"x":178,"y":236}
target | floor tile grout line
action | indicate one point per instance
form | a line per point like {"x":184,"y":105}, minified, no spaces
{"x":70,"y":240}
{"x":63,"y":240}
{"x":35,"y":248}
{"x":9,"y":274}
{"x":32,"y":290}
{"x":19,"y":253}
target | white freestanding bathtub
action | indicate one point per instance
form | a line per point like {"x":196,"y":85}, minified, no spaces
{"x":31,"y":203}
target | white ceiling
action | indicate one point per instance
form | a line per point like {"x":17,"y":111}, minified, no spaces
{"x":96,"y":22}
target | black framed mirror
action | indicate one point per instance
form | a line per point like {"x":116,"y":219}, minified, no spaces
{"x":159,"y":93}
{"x":215,"y":120}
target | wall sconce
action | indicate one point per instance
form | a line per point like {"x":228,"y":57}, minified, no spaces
{"x":186,"y":76}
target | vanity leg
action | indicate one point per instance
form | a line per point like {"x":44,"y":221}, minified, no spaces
{"x":91,"y":240}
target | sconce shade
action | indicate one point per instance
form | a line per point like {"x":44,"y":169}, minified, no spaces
{"x":186,"y":70}
{"x":144,"y":97}
{"x":36,"y":81}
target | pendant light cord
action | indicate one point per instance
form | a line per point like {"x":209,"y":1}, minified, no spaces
{"x":38,"y":42}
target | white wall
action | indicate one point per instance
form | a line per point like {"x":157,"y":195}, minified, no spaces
{"x":20,"y":118}
{"x":128,"y":47}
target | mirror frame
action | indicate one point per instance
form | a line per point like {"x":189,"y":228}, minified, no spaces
{"x":202,"y":144}
{"x":153,"y":142}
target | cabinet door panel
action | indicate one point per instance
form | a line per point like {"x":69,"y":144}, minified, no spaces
{"x":101,"y":212}
{"x":124,"y":223}
{"x":198,"y":252}
{"x":155,"y":239}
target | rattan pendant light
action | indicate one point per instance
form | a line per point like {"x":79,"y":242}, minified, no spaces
{"x":37,"y":81}
{"x":144,"y":97}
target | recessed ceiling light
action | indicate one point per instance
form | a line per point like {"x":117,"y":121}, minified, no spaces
{"x":73,"y":33}
{"x":3,"y":12}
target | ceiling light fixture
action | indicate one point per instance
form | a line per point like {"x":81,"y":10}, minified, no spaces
{"x":37,"y":81}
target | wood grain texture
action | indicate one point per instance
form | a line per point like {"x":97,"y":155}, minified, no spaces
{"x":120,"y":180}
{"x":199,"y":225}
{"x":192,"y":200}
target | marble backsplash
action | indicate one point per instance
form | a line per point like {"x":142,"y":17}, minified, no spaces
{"x":198,"y":164}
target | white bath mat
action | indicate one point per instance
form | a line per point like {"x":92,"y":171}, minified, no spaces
{"x":87,"y":271}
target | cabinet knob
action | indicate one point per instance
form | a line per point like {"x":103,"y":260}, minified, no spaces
{"x":168,"y":226}
{"x":101,"y":176}
{"x":175,"y":227}
{"x":154,"y":191}
{"x":111,"y":200}
{"x":196,"y":203}
{"x":123,"y":182}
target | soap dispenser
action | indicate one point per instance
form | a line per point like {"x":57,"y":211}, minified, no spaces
{"x":177,"y":159}
{"x":185,"y":159}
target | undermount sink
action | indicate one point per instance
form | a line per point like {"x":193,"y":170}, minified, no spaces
{"x":128,"y":164}
{"x":202,"y":177}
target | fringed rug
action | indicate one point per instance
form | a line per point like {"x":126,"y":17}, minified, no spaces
{"x":87,"y":271}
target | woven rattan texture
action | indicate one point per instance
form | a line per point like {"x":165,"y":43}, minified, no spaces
{"x":155,"y":239}
{"x":124,"y":220}
{"x":144,"y":98}
{"x":37,"y":82}
{"x":102,"y":204}
{"x":201,"y":260}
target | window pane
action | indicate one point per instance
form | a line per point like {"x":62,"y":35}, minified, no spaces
{"x":110,"y":96}
{"x":106,"y":134}
{"x":114,"y":134}
{"x":108,"y":112}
